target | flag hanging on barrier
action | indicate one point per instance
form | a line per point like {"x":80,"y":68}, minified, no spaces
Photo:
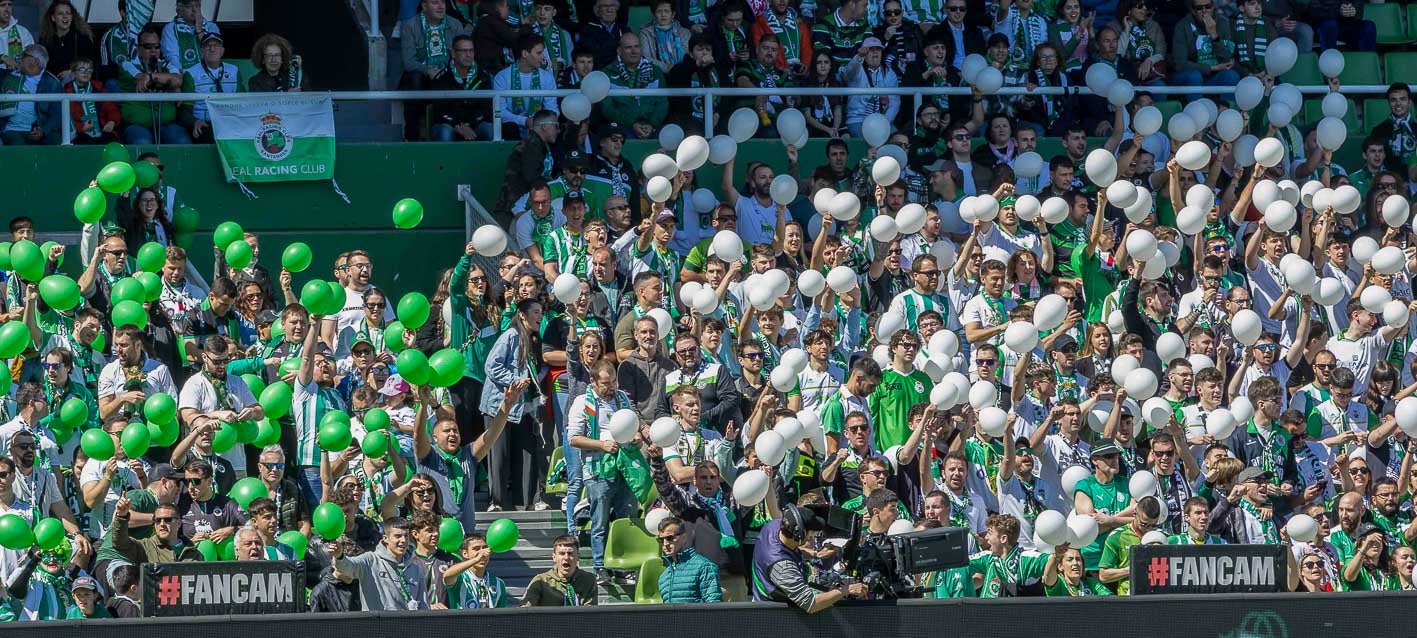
{"x":283,"y":139}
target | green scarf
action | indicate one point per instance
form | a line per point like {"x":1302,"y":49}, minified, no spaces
{"x":188,"y":49}
{"x":471,"y":82}
{"x":435,"y":42}
{"x":457,"y":479}
{"x":223,"y":397}
{"x":90,"y":110}
{"x":13,"y":84}
{"x":526,"y":106}
{"x":788,"y":34}
{"x":557,"y":46}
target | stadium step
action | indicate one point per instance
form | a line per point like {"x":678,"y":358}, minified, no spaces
{"x":532,"y":554}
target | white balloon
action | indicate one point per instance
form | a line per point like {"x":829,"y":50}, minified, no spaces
{"x":1154,"y":268}
{"x":1389,"y":260}
{"x":566,"y":288}
{"x":1200,"y":196}
{"x":751,"y":487}
{"x":1055,"y":209}
{"x":1157,"y":412}
{"x":811,"y":283}
{"x":1289,"y":191}
{"x":1099,"y":77}
{"x":1142,"y":484}
{"x":783,"y":189}
{"x":986,"y":207}
{"x":1335,"y":105}
{"x":1051,"y":528}
{"x":1374,"y":298}
{"x":1249,"y":92}
{"x":1049,"y":312}
{"x":885,"y":171}
{"x":783,"y":378}
{"x":875,"y":129}
{"x":890,"y":323}
{"x":1116,"y":323}
{"x":576,"y":107}
{"x":841,"y":279}
{"x":989,"y":80}
{"x":1101,"y":165}
{"x":1147,"y":120}
{"x":1346,"y":199}
{"x":1331,"y":63}
{"x":662,"y":321}
{"x":692,"y":153}
{"x":1220,"y":424}
{"x":1204,"y":106}
{"x":1170,"y":252}
{"x":884,"y":229}
{"x":1027,"y":207}
{"x":1245,"y":149}
{"x":1141,"y":384}
{"x":1191,"y":220}
{"x":1245,"y":325}
{"x":1289,"y":95}
{"x":1395,"y":210}
{"x":983,"y":394}
{"x":1266,"y":192}
{"x":791,"y":124}
{"x":743,"y":124}
{"x":1169,"y":347}
{"x":1406,"y":413}
{"x":1364,"y":248}
{"x":722,"y":148}
{"x":1269,"y":152}
{"x":1395,"y":313}
{"x":966,"y":209}
{"x":489,"y":240}
{"x":1121,"y":93}
{"x":1328,"y":292}
{"x":1306,"y":195}
{"x":944,"y":252}
{"x":596,"y":86}
{"x":1182,"y":127}
{"x":900,"y":526}
{"x":943,"y":343}
{"x":686,"y":291}
{"x":1141,"y":244}
{"x":1082,"y":530}
{"x":771,"y":447}
{"x":654,"y":517}
{"x":992,"y":421}
{"x":760,"y":297}
{"x":1021,"y":337}
{"x":1121,"y":193}
{"x":910,"y":219}
{"x":1300,"y":276}
{"x":706,"y":301}
{"x":1122,"y":366}
{"x":1280,"y":216}
{"x":1200,"y":362}
{"x":1028,"y":165}
{"x":624,"y":425}
{"x":664,"y":432}
{"x":702,"y":199}
{"x":1242,"y":409}
{"x":845,"y":206}
{"x":1302,"y":527}
{"x":727,"y":245}
{"x":882,"y":355}
{"x":670,"y":135}
{"x":777,"y":281}
{"x":1072,"y":476}
{"x":895,"y":151}
{"x":822,"y":200}
{"x":795,"y":358}
{"x":973,"y":64}
{"x":1332,"y":132}
{"x":1280,"y":56}
{"x":1193,"y":155}
{"x":1230,"y":125}
{"x":944,"y":396}
{"x":659,"y":189}
{"x":660,"y":165}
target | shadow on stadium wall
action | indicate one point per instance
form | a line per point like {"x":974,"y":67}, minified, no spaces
{"x":1220,"y":616}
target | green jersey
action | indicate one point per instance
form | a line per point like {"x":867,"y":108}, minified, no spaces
{"x":1097,"y":283}
{"x":1085,"y":587}
{"x":950,"y":583}
{"x":1017,"y":567}
{"x":1117,"y":554}
{"x":1108,"y":498}
{"x":891,"y":402}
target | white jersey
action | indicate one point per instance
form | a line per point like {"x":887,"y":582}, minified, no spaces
{"x":1359,"y":356}
{"x":1266,"y":286}
{"x":998,"y":244}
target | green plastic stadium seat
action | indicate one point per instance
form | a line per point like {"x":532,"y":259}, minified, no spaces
{"x":1360,"y":67}
{"x":1049,"y":147}
{"x":1314,"y":111}
{"x":1388,"y":17}
{"x":629,"y":545}
{"x":1305,"y":71}
{"x":1168,"y":108}
{"x":1401,"y":67}
{"x":1412,"y":22}
{"x":1374,"y":112}
{"x":647,"y":587}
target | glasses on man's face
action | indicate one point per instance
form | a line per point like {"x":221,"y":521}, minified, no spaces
{"x":23,"y":447}
{"x":727,"y":218}
{"x":362,"y":352}
{"x":164,"y":520}
{"x":955,"y":9}
{"x":1267,"y":347}
{"x":857,"y":428}
{"x":1325,"y":366}
{"x":960,"y":138}
{"x":878,"y":473}
{"x":5,"y":476}
{"x":1219,"y":249}
{"x":1165,"y":454}
{"x":985,"y":362}
{"x":49,"y":365}
{"x":685,"y":353}
{"x":1240,"y":302}
{"x":1073,"y":349}
{"x":752,"y":356}
{"x":273,"y":466}
{"x":891,"y":14}
{"x":669,"y":538}
{"x":928,"y":274}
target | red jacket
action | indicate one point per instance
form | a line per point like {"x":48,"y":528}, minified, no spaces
{"x":107,"y":111}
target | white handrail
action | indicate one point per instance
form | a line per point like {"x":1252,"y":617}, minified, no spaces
{"x":738,"y":92}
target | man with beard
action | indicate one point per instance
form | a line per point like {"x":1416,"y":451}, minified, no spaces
{"x":612,"y":167}
{"x":644,"y":370}
{"x":1175,"y":482}
{"x":607,"y":287}
{"x":360,"y":270}
{"x":759,"y":218}
{"x":164,"y":488}
{"x":207,"y":514}
{"x":1311,"y":394}
{"x":924,"y":295}
{"x":212,"y":399}
{"x":649,"y":294}
{"x":453,"y":464}
{"x":127,"y":381}
{"x":108,"y":264}
{"x":717,"y":395}
{"x":163,"y":545}
{"x":1388,"y":515}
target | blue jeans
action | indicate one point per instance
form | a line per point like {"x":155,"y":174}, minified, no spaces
{"x":1227,"y":77}
{"x":445,"y":132}
{"x":171,"y":132}
{"x":309,"y":483}
{"x":574,"y":481}
{"x":1357,"y":35}
{"x":609,"y":499}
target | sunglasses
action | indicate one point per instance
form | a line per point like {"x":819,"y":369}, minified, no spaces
{"x":874,"y":472}
{"x":1165,"y":454}
{"x":1359,"y":470}
{"x":24,"y":446}
{"x":1313,"y":565}
{"x":52,"y":366}
{"x":1325,"y":366}
{"x":1267,"y":347}
{"x":892,"y":13}
{"x":274,"y":466}
{"x":670,"y":537}
{"x":727,"y":218}
{"x":858,"y":427}
{"x":165,"y":520}
{"x":928,"y":273}
{"x":955,"y":9}
{"x":752,"y":355}
{"x":986,"y":362}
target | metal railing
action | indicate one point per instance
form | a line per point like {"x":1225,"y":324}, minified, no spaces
{"x":918,"y":93}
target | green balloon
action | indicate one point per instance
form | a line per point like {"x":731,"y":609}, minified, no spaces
{"x":163,"y":434}
{"x":328,"y":521}
{"x":97,"y":444}
{"x":115,"y":152}
{"x":62,"y":435}
{"x":27,"y":260}
{"x":129,"y":313}
{"x":226,"y":233}
{"x":246,"y":431}
{"x":227,"y":548}
{"x":152,"y":285}
{"x":296,"y":257}
{"x":100,"y":342}
{"x":117,"y":177}
{"x":49,"y":534}
{"x":413,"y":366}
{"x":90,"y":205}
{"x":136,"y":439}
{"x":413,"y":310}
{"x":15,"y":533}
{"x":128,"y":289}
{"x":502,"y":535}
{"x":334,"y":436}
{"x":289,"y":366}
{"x":375,"y":444}
{"x":450,"y":535}
{"x":275,"y":399}
{"x":14,"y":338}
{"x":49,"y":246}
{"x":186,"y":219}
{"x":267,"y":433}
{"x":407,"y":213}
{"x":224,"y":439}
{"x":337,"y":298}
{"x":152,"y":256}
{"x":160,"y":408}
{"x":5,"y":255}
{"x":145,"y":174}
{"x":239,"y":255}
{"x":376,"y":419}
{"x":74,"y":412}
{"x":60,"y":292}
{"x":254,"y":383}
{"x":315,"y":295}
{"x":336,"y":416}
{"x":446,"y":366}
{"x":246,"y":490}
{"x":208,"y":550}
{"x":393,"y":336}
{"x":295,"y":541}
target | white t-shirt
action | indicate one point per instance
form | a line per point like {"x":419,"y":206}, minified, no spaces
{"x":156,"y":378}
{"x":978,"y":310}
{"x":756,"y":223}
{"x":353,"y":313}
{"x":39,"y":488}
{"x":198,"y":394}
{"x":1359,"y":356}
{"x":1266,"y":285}
{"x":523,"y":226}
{"x":123,"y":480}
{"x":817,"y":387}
{"x":999,"y":245}
{"x":1280,"y":372}
{"x":76,"y":375}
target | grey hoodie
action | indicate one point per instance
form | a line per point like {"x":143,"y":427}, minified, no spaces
{"x":386,"y":583}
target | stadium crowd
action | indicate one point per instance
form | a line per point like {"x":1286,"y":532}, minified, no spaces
{"x":1193,"y":338}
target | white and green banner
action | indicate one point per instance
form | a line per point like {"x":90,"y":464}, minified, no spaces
{"x":283,"y":139}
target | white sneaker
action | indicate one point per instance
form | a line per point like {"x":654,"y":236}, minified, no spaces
{"x":493,"y":507}
{"x":540,"y":506}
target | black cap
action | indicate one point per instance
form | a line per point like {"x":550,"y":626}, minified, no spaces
{"x":612,"y":128}
{"x":212,"y":36}
{"x":572,"y":196}
{"x":266,"y":317}
{"x":1105,"y":447}
{"x":1063,"y":341}
{"x":162,"y":471}
{"x":576,"y":159}
{"x":1366,"y":528}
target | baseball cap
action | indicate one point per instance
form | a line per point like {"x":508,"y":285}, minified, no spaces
{"x":572,"y":196}
{"x":940,"y":165}
{"x":1366,"y":528}
{"x":1064,"y":340}
{"x":612,"y":128}
{"x":162,"y":471}
{"x":872,"y":42}
{"x":576,"y":159}
{"x":324,"y":349}
{"x":1105,"y":447}
{"x":394,"y":385}
{"x":1252,"y":473}
{"x":267,"y":317}
{"x":84,"y":582}
{"x":212,"y":36}
{"x":361,"y":338}
{"x":665,"y":215}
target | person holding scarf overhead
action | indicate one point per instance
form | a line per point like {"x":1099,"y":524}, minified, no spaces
{"x":642,"y":116}
{"x":181,"y":38}
{"x":666,"y":41}
{"x":528,"y":74}
{"x":792,"y":33}
{"x":425,"y":46}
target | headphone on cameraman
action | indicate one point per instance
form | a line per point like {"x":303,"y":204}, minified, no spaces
{"x":794,"y":522}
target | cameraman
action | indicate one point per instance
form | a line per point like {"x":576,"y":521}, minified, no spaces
{"x":779,"y":571}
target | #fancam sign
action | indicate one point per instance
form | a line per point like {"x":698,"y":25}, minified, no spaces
{"x":235,"y":587}
{"x":1208,"y":569}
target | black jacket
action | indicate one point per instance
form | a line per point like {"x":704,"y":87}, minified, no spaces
{"x":491,"y":36}
{"x":470,"y":112}
{"x":600,"y":40}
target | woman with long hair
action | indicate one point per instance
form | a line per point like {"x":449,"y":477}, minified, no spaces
{"x":1046,"y":114}
{"x":1071,"y":33}
{"x":824,"y":112}
{"x":794,"y":256}
{"x":1313,"y":578}
{"x":1065,"y":575}
{"x":1371,"y":565}
{"x":66,"y":36}
{"x":515,"y":458}
{"x":998,"y":147}
{"x":1096,"y":354}
{"x":1021,"y":276}
{"x":277,"y":69}
{"x":1404,"y":558}
{"x":143,"y":219}
{"x":1382,"y":387}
